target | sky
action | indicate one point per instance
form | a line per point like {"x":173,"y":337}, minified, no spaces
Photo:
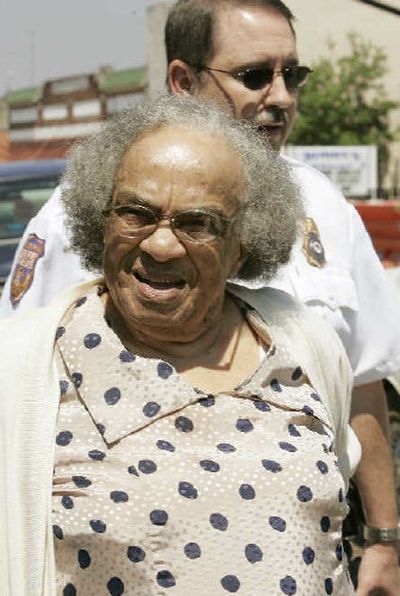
{"x":42,"y":39}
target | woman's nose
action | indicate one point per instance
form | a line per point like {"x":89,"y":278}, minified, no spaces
{"x":162,"y":244}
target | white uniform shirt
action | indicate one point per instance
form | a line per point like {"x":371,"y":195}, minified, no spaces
{"x":338,"y":275}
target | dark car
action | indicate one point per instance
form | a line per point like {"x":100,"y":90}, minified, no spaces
{"x":24,"y":187}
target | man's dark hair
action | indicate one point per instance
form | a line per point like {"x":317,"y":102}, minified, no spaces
{"x":189,"y":31}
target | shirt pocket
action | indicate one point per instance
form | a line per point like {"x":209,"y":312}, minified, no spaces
{"x":330,"y":288}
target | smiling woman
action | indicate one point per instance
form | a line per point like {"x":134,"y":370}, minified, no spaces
{"x":179,"y":429}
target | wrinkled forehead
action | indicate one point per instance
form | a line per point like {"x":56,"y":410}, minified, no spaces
{"x":170,"y":153}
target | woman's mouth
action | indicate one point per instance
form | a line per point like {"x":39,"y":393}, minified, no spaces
{"x":158,"y":287}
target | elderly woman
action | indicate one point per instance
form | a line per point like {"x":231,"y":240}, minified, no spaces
{"x":164,"y":432}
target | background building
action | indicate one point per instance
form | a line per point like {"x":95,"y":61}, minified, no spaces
{"x":44,"y":121}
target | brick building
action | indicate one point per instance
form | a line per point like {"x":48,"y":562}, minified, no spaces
{"x":44,"y":121}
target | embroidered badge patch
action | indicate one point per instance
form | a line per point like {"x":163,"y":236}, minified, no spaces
{"x":312,"y":245}
{"x":24,"y":270}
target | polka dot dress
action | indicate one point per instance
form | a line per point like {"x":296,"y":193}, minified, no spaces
{"x":161,"y":489}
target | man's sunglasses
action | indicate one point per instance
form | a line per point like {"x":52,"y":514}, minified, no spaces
{"x":258,"y":77}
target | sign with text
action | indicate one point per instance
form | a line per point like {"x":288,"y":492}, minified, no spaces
{"x":353,"y":168}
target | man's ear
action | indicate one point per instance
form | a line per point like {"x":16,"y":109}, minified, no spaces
{"x":180,"y":77}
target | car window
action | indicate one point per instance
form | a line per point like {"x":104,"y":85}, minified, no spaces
{"x":20,"y":200}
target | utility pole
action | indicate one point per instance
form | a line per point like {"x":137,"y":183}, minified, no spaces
{"x":384,"y":5}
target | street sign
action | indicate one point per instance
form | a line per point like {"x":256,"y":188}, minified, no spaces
{"x":353,"y":168}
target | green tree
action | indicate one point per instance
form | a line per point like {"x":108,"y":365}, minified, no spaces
{"x":344,"y":102}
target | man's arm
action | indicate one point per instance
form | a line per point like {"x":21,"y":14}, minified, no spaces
{"x":375,"y":481}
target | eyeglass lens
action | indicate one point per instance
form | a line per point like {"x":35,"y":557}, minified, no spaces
{"x":257,"y":78}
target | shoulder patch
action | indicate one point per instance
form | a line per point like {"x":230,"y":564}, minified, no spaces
{"x":312,"y":245}
{"x":24,"y":270}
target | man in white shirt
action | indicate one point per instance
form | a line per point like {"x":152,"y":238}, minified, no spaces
{"x":243,"y":56}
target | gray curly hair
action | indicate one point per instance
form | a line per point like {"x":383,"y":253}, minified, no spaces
{"x":268,"y":224}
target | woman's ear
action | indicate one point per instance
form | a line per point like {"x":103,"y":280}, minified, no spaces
{"x":238,"y":263}
{"x":180,"y":77}
{"x":106,"y":228}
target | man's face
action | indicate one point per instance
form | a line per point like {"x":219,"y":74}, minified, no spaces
{"x":244,"y":38}
{"x":161,"y":284}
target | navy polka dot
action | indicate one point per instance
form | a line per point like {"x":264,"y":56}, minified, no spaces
{"x":186,"y":489}
{"x":247,"y":492}
{"x":132,"y":470}
{"x":307,"y":410}
{"x":115,"y":586}
{"x":64,"y":438}
{"x":304,"y":494}
{"x":119,"y":496}
{"x":340,"y":495}
{"x":96,"y":454}
{"x":322,"y":467}
{"x":84,"y":559}
{"x":81,"y":481}
{"x":80,"y":301}
{"x":296,"y":374}
{"x":136,"y":554}
{"x":226,"y":447}
{"x":244,"y":425}
{"x":69,"y":590}
{"x":184,"y":424}
{"x":329,"y":586}
{"x":218,"y":521}
{"x":275,"y":385}
{"x":308,"y":555}
{"x":126,"y":356}
{"x":293,"y":431}
{"x":165,"y":579}
{"x":253,"y":553}
{"x":77,"y":379}
{"x":164,"y":370}
{"x":112,"y":396}
{"x":158,"y":517}
{"x":63,"y":387}
{"x":271,"y":465}
{"x":277,"y":523}
{"x":147,"y":466}
{"x":287,"y":447}
{"x":165,"y":445}
{"x":192,"y":550}
{"x":92,"y":340}
{"x":339,"y":552}
{"x":325,"y":523}
{"x":67,"y":502}
{"x":209,"y":465}
{"x":57,"y":531}
{"x":315,"y":396}
{"x":288,"y":585}
{"x":60,"y":332}
{"x":151,"y":409}
{"x":98,"y":526}
{"x":207,"y":402}
{"x":230,"y":583}
{"x":261,"y":405}
{"x":101,"y":428}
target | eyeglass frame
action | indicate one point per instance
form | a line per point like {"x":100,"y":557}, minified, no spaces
{"x":182,"y":236}
{"x":240,"y":74}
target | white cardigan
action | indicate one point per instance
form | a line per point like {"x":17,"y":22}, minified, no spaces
{"x":29,"y":397}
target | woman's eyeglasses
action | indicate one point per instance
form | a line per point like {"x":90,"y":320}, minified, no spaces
{"x":195,"y":225}
{"x":257,"y":77}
